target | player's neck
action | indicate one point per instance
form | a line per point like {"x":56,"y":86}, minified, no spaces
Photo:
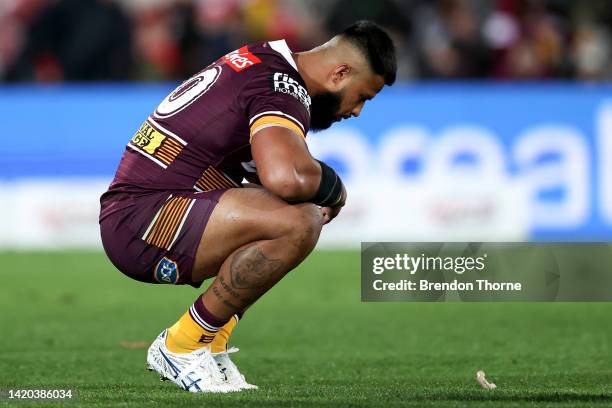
{"x":309,"y":66}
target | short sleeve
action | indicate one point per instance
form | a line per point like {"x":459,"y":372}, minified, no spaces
{"x":277,"y":98}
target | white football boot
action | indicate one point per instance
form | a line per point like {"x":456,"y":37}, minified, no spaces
{"x":234,"y":378}
{"x":193,"y":372}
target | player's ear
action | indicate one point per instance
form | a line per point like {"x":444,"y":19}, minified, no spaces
{"x":340,"y":73}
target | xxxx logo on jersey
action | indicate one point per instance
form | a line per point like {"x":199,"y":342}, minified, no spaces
{"x":156,"y":143}
{"x":240,"y":59}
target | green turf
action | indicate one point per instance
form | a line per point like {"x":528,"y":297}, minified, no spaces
{"x":309,"y":342}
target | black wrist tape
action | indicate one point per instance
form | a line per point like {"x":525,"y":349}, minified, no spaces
{"x":330,"y":189}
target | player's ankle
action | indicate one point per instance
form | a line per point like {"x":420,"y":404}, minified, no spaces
{"x":179,"y":343}
{"x":196,"y":329}
{"x":219,"y":343}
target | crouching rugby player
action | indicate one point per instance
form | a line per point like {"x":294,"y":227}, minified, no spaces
{"x":177,"y":212}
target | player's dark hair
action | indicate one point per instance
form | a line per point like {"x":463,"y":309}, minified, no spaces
{"x":376,"y":46}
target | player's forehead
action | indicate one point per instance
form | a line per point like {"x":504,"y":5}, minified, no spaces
{"x":371,"y":84}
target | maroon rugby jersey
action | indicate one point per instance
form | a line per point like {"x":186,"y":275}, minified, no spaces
{"x":198,"y":138}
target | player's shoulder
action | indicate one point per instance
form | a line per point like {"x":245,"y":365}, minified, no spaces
{"x":268,"y":69}
{"x":272,"y":92}
{"x":285,"y":77}
{"x":261,"y":57}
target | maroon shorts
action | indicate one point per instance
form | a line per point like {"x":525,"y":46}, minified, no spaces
{"x":154,"y":239}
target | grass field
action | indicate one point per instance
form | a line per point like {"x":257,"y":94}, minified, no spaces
{"x":69,"y":320}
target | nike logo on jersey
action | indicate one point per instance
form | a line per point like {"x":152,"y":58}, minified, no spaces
{"x":249,"y":166}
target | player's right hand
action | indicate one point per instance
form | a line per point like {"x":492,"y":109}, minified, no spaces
{"x":329,"y":213}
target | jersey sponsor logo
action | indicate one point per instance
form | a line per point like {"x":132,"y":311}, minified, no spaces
{"x":166,"y":271}
{"x":188,"y":92}
{"x":147,"y":138}
{"x":283,"y":83}
{"x":240,"y":59}
{"x":160,"y":146}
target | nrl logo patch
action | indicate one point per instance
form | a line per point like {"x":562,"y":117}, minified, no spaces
{"x":283,"y":83}
{"x":166,"y":271}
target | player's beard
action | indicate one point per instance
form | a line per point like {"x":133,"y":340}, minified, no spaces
{"x":324,"y":109}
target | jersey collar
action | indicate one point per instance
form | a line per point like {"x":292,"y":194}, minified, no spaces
{"x":282,"y":48}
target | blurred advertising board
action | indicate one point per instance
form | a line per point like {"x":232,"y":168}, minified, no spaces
{"x":424,"y":162}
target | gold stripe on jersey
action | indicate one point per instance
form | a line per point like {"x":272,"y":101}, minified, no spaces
{"x":213,"y":179}
{"x":272,"y":120}
{"x":167,"y":223}
{"x":162,"y":148}
{"x":168,"y":150}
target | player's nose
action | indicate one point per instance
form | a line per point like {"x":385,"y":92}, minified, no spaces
{"x":357,"y":110}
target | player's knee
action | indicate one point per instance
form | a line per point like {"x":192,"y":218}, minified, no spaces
{"x":304,"y":226}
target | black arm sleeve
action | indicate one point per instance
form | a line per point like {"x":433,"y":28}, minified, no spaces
{"x":330,"y":189}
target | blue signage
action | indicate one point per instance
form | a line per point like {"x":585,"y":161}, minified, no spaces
{"x":554,"y":140}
